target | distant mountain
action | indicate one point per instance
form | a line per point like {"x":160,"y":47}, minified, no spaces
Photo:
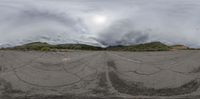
{"x":152,"y":46}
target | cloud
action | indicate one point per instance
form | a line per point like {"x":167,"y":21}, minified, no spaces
{"x":129,"y":21}
{"x":31,"y":24}
{"x":122,"y":33}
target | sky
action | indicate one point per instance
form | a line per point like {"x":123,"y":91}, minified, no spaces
{"x":100,"y":22}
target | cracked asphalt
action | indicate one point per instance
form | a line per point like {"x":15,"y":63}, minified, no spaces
{"x":99,"y":75}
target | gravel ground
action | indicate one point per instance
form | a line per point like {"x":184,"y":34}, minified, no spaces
{"x":99,"y":75}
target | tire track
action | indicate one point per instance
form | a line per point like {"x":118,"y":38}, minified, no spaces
{"x":157,"y":67}
{"x":137,"y":89}
{"x":185,"y":56}
{"x":38,"y":85}
{"x":107,"y":64}
{"x":25,"y":65}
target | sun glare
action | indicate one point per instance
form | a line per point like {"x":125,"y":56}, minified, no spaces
{"x":99,"y":19}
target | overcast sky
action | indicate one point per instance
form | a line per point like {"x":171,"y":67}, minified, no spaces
{"x":100,"y":22}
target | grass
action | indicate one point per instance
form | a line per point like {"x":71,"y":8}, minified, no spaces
{"x":34,"y":46}
{"x":41,"y":46}
{"x":153,"y":46}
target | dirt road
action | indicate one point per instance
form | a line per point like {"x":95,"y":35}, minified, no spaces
{"x":99,"y":75}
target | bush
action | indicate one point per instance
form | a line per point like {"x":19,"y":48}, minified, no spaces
{"x":45,"y":49}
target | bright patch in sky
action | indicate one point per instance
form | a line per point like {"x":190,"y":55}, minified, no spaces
{"x":99,"y":19}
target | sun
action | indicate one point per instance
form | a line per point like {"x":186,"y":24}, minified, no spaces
{"x":96,"y":22}
{"x":99,"y":19}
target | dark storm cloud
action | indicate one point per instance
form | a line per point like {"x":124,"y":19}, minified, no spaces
{"x":122,"y":33}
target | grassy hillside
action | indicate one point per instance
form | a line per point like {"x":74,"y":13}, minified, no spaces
{"x":153,"y":46}
{"x":47,"y":47}
{"x":34,"y":46}
{"x":77,"y":47}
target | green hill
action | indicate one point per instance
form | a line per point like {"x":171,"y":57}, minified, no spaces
{"x":34,"y":46}
{"x":77,"y":47}
{"x":40,"y":46}
{"x":153,"y":46}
